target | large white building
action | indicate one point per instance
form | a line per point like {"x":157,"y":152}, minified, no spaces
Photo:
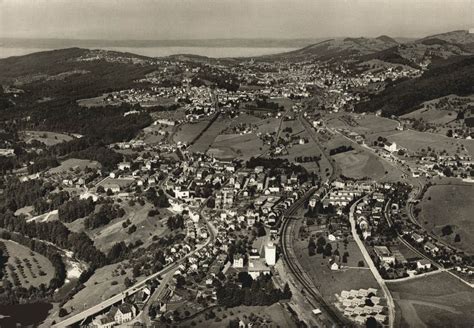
{"x":270,"y":254}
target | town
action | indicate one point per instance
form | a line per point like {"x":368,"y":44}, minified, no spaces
{"x":250,"y":192}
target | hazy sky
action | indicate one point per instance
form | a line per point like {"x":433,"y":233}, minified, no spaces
{"x":201,"y":19}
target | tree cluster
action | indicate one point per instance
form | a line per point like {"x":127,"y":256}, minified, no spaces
{"x":106,"y":213}
{"x":253,"y":292}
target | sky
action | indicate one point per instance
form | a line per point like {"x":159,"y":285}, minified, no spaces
{"x":226,"y":19}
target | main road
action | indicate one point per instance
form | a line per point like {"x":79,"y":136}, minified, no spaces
{"x":370,"y":263}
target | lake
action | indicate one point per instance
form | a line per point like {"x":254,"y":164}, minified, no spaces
{"x":215,"y":52}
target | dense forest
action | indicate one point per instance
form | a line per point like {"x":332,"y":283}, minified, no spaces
{"x":58,"y":234}
{"x":106,"y":213}
{"x":19,"y":194}
{"x":75,"y":209}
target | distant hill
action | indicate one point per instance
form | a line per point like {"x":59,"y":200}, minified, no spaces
{"x":39,"y":62}
{"x":452,"y":76}
{"x":385,"y":48}
{"x":338,"y":49}
{"x":68,"y":75}
{"x":427,"y":50}
{"x":463,"y":39}
{"x":386,"y":39}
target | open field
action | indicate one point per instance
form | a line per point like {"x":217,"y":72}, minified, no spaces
{"x":205,"y":141}
{"x":405,"y":251}
{"x":415,"y":141}
{"x":147,"y":227}
{"x":441,"y":110}
{"x":157,"y":101}
{"x":154,"y":134}
{"x":296,"y":128}
{"x":30,"y":268}
{"x":367,"y":125}
{"x":433,"y":301}
{"x":432,"y":115}
{"x":48,"y":138}
{"x":285,"y":102}
{"x":188,"y":131}
{"x":92,"y":102}
{"x":360,"y":163}
{"x":274,"y":316}
{"x":230,"y":146}
{"x":268,"y":125}
{"x":245,"y":118}
{"x":74,"y":164}
{"x":450,"y":205}
{"x":308,"y":149}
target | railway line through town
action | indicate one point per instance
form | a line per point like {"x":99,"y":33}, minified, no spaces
{"x":292,"y":263}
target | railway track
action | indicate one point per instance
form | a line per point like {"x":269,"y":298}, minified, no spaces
{"x":292,"y":263}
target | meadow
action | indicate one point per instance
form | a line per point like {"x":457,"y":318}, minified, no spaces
{"x":27,"y":268}
{"x":48,"y":138}
{"x":420,"y":304}
{"x":73,"y":164}
{"x":188,"y":131}
{"x":230,"y":146}
{"x":415,"y":141}
{"x":205,"y":141}
{"x":450,"y":205}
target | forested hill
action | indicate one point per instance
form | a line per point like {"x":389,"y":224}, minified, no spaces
{"x":453,"y":76}
{"x":47,"y":86}
{"x":45,"y":62}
